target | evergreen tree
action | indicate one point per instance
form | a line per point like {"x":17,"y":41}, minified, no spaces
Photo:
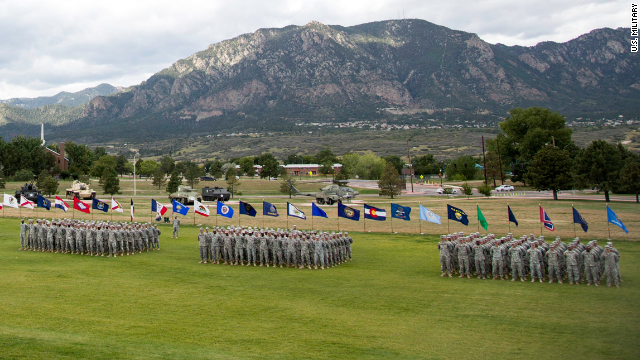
{"x":390,"y":182}
{"x":551,"y":170}
{"x":192,"y":174}
{"x":158,"y":178}
{"x":42,"y":178}
{"x":50,"y":186}
{"x":110,"y":182}
{"x":174,"y":182}
{"x":599,"y":165}
{"x":630,"y":177}
{"x":270,"y":166}
{"x":2,"y":180}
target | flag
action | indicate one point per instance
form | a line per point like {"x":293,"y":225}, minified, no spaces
{"x":544,"y":218}
{"x":224,"y":210}
{"x":578,"y":219}
{"x":10,"y":201}
{"x":43,"y":202}
{"x":512,"y":218}
{"x":24,"y":202}
{"x":81,"y":206}
{"x":400,"y":212}
{"x":456,"y":214}
{"x":179,"y":208}
{"x":374,"y":213}
{"x":133,"y":210}
{"x":198,"y":208}
{"x":100,"y":205}
{"x":428,"y":215}
{"x":348,"y":212}
{"x":316,"y":211}
{"x":295,"y":212}
{"x":158,"y":208}
{"x":269,"y":209}
{"x":115,"y":206}
{"x":481,"y":219}
{"x":60,"y":204}
{"x":612,"y":218}
{"x":246,"y":209}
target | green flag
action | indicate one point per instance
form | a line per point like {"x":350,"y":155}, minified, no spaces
{"x":482,"y":220}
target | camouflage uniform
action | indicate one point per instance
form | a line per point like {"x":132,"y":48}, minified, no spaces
{"x":610,"y":260}
{"x":176,"y":227}
{"x":202,"y":242}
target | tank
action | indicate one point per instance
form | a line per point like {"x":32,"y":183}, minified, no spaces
{"x":29,"y":191}
{"x":185,"y":195}
{"x":215,"y":193}
{"x":81,"y":191}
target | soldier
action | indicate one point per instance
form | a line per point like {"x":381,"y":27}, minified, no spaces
{"x":479,"y":259}
{"x":264,"y":251}
{"x":571,"y":259}
{"x":61,"y":243}
{"x":121,"y":240}
{"x":535,"y":257}
{"x":304,"y":254}
{"x":50,"y":234}
{"x":32,"y":235}
{"x":209,"y":244}
{"x":553,"y":257}
{"x":517,"y":268}
{"x":42,"y":237}
{"x":291,"y":251}
{"x":70,"y":239}
{"x":90,"y":240}
{"x":24,"y":242}
{"x":113,"y":241}
{"x":618,"y":259}
{"x":176,"y":227}
{"x":228,"y":250}
{"x":217,"y":244}
{"x":202,"y":242}
{"x":349,"y":242}
{"x":445,"y":257}
{"x":239,"y":251}
{"x":590,"y":264}
{"x":79,"y":237}
{"x":610,"y":260}
{"x":99,"y":240}
{"x":463,"y":258}
{"x":251,"y":250}
{"x":318,"y":253}
{"x":497,"y":261}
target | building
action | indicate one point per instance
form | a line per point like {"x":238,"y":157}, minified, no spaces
{"x":308,"y":169}
{"x":61,"y":160}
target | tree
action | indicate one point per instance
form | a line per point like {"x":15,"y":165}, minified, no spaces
{"x":326,"y":168}
{"x":630,"y":176}
{"x":425,"y":165}
{"x":104,"y":162}
{"x":24,"y":175}
{"x":167,"y":164}
{"x":390,"y":182}
{"x":158,"y":178}
{"x":42,"y":178}
{"x":225,"y":168}
{"x":174,"y":181}
{"x":192,"y":174}
{"x":213,"y":167}
{"x":99,"y":152}
{"x":121,"y":164}
{"x":324,"y":156}
{"x":462,"y":168}
{"x":467,"y":189}
{"x":25,"y":153}
{"x":50,"y":186}
{"x":2,"y":180}
{"x":526,"y":131}
{"x":285,"y":188}
{"x":599,"y":165}
{"x":246,"y":165}
{"x":484,"y":190}
{"x":148,"y":167}
{"x":551,"y":170}
{"x":494,"y":169}
{"x":110,"y":182}
{"x":396,"y":161}
{"x":232,"y":181}
{"x":138,"y":166}
{"x":270,"y":166}
{"x":293,"y":159}
{"x":84,"y":178}
{"x":80,"y":157}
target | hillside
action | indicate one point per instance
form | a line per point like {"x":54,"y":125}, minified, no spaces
{"x":64,"y":98}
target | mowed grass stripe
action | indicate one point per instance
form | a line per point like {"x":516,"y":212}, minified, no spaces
{"x":388,"y":303}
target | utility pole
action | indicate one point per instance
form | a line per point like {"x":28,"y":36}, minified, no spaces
{"x":484,"y":162}
{"x":500,"y":160}
{"x":410,"y":165}
{"x":134,"y":174}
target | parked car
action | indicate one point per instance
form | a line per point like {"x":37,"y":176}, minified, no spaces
{"x":207,"y":178}
{"x":505,"y":188}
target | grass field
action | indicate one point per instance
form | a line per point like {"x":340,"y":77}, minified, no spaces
{"x":389,"y":303}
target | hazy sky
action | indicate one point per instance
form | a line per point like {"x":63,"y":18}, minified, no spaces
{"x":50,"y":46}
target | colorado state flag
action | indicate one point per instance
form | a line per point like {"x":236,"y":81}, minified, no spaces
{"x":374,"y":213}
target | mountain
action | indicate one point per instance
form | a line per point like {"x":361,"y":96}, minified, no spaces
{"x":64,"y":98}
{"x":274,"y":78}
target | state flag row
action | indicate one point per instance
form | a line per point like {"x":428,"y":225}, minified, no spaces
{"x":42,"y":202}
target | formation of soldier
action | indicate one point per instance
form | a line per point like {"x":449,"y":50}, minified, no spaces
{"x":528,"y":256}
{"x":266,"y":247}
{"x":93,"y":238}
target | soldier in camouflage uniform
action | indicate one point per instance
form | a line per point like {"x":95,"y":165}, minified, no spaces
{"x":589,"y":256}
{"x":535,"y":259}
{"x":571,"y":256}
{"x":445,"y":257}
{"x":610,"y":260}
{"x":202,"y":242}
{"x":553,"y":257}
{"x":24,"y":242}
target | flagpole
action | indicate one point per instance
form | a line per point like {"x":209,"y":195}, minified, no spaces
{"x":263,"y":213}
{"x":540,"y":221}
{"x":419,"y":222}
{"x":608,"y":228}
{"x":364,"y":224}
{"x":338,"y":222}
{"x":391,"y":219}
{"x":574,"y":223}
{"x":478,"y":206}
{"x":508,"y":220}
{"x":448,"y":230}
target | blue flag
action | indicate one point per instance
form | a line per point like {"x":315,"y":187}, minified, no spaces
{"x":269,"y":209}
{"x":100,"y":205}
{"x":348,"y":212}
{"x":316,"y":211}
{"x":224,"y":210}
{"x":179,"y":208}
{"x":456,"y":214}
{"x":374,"y":213}
{"x":400,"y":212}
{"x":44,"y":203}
{"x":578,"y":219}
{"x":512,"y":218}
{"x":428,"y":215}
{"x":247,"y":209}
{"x":612,"y":218}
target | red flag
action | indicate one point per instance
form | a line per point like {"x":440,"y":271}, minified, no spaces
{"x":545,"y":220}
{"x":81,"y":206}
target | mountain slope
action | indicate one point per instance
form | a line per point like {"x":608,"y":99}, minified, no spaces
{"x":273,"y":78}
{"x":64,"y":98}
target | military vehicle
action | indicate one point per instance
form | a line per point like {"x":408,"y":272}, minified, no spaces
{"x":215,"y":193}
{"x":81,"y":191}
{"x":185,"y":195}
{"x":29,"y":191}
{"x":329,"y":194}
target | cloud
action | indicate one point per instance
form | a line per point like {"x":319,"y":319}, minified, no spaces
{"x":49,"y":46}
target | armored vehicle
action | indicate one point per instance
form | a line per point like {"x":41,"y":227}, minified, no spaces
{"x":215,"y":193}
{"x":329,"y":194}
{"x":185,"y":195}
{"x":29,"y":191}
{"x":81,"y":191}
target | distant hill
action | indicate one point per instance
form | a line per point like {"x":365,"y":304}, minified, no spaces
{"x":64,"y":98}
{"x":274,"y":78}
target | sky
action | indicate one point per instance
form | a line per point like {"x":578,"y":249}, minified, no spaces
{"x":51,"y":46}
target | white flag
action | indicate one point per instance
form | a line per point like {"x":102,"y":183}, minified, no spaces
{"x":115,"y":206}
{"x":24,"y":202}
{"x":198,"y":208}
{"x":10,"y":201}
{"x":295,"y":212}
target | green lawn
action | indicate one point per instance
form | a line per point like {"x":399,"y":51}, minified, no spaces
{"x":390,"y":302}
